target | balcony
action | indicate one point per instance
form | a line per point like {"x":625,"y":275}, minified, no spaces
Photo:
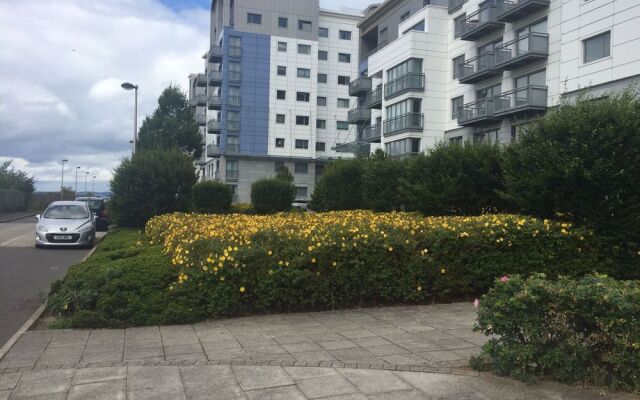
{"x":235,"y":51}
{"x":201,"y":119}
{"x":198,"y":100}
{"x":214,"y":126}
{"x":374,"y":99}
{"x":201,"y":80}
{"x":232,"y":148}
{"x":530,"y":98}
{"x":215,"y":78}
{"x":403,"y":123}
{"x":478,"y":112}
{"x":233,"y":101}
{"x":213,"y":150}
{"x":523,"y":50}
{"x":478,"y":68}
{"x":455,"y":5}
{"x":232,"y":175}
{"x":359,"y":86}
{"x":371,"y":134}
{"x":215,"y":54}
{"x":512,"y":10}
{"x":408,"y":82}
{"x":233,"y":125}
{"x":480,"y":23}
{"x":359,"y":115}
{"x":215,"y":102}
{"x":355,"y":147}
{"x":235,"y":76}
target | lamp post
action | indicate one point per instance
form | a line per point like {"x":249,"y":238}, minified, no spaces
{"x":131,"y":86}
{"x":85,"y":182}
{"x":62,"y":180}
{"x":93,"y":190}
{"x":77,"y":168}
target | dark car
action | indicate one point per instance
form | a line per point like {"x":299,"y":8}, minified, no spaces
{"x":99,"y":209}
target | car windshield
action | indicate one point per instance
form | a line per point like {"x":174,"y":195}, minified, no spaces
{"x":67,"y":211}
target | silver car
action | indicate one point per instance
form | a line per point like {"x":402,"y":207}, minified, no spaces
{"x":66,"y":223}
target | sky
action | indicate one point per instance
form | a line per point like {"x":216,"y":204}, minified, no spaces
{"x":61,"y":66}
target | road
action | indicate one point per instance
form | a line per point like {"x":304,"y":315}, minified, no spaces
{"x":26,"y":273}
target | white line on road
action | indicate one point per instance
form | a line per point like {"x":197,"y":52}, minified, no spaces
{"x":8,"y":242}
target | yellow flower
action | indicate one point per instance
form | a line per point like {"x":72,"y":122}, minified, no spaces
{"x":419,"y":288}
{"x":335,"y":263}
{"x":313,"y":260}
{"x":443,"y":271}
{"x":241,"y":289}
{"x":269,"y":252}
{"x":222,"y":279}
{"x":390,"y":248}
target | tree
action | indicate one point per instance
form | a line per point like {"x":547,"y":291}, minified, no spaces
{"x":153,"y":182}
{"x":11,"y":179}
{"x":172,"y":124}
{"x":381,"y":180}
{"x":340,"y":187}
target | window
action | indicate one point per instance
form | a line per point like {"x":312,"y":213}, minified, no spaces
{"x":321,"y":124}
{"x":417,"y":27}
{"x":538,"y":78}
{"x":302,"y":120}
{"x":302,"y":96}
{"x":279,"y":118}
{"x":382,"y":37}
{"x":597,"y":47}
{"x":302,"y":144}
{"x":343,"y":103}
{"x":320,"y":146}
{"x":233,"y":120}
{"x":488,"y":92}
{"x":282,"y":46}
{"x":281,"y":94}
{"x":455,"y":140}
{"x":490,"y":137}
{"x":301,"y":192}
{"x":232,"y":169}
{"x":301,"y":168}
{"x":280,"y":165}
{"x":402,"y":146}
{"x":345,"y":35}
{"x":342,"y":125}
{"x":304,"y":49}
{"x":233,"y":144}
{"x":456,"y":103}
{"x":323,"y":32}
{"x":322,"y":78}
{"x":323,"y":55}
{"x":412,"y":65}
{"x":457,"y":66}
{"x":304,"y":73}
{"x":457,"y":25}
{"x":343,"y":57}
{"x":282,"y":71}
{"x":235,"y":71}
{"x":405,"y":16}
{"x":254,"y":18}
{"x":343,"y":80}
{"x":283,"y":22}
{"x":279,"y":143}
{"x":304,"y":26}
{"x":322,"y":101}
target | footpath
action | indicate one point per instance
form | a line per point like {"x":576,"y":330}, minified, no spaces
{"x":408,"y":352}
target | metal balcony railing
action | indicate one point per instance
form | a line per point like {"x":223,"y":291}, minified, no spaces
{"x":359,"y":86}
{"x":478,"y":68}
{"x":374,"y":98}
{"x":232,"y":175}
{"x":215,"y":53}
{"x":480,"y":23}
{"x":476,"y":112}
{"x":405,"y":83}
{"x":214,"y":126}
{"x":512,"y":10}
{"x":526,"y":98}
{"x":233,"y":125}
{"x":525,"y":49}
{"x":359,"y":115}
{"x":371,"y":133}
{"x":404,"y":122}
{"x":213,"y":150}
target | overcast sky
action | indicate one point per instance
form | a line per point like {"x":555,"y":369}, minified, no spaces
{"x":61,"y":65}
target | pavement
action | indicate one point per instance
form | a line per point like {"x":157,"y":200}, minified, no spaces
{"x":26,"y":273}
{"x":12,"y":216}
{"x":406,"y":352}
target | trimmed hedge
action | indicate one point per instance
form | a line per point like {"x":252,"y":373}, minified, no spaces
{"x":272,"y":195}
{"x":212,"y":197}
{"x":573,"y":331}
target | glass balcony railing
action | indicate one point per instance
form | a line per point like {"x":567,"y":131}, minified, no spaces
{"x":201,"y":80}
{"x":215,"y":102}
{"x":371,"y":133}
{"x":214,"y":126}
{"x":526,"y":98}
{"x":512,"y":10}
{"x":215,"y":53}
{"x":215,"y":78}
{"x":359,"y":86}
{"x":408,"y":82}
{"x":476,"y":112}
{"x":201,"y":119}
{"x":404,"y":122}
{"x":523,"y":50}
{"x":480,"y":23}
{"x":213,"y":150}
{"x":358,"y":115}
{"x":478,"y":68}
{"x":374,"y":98}
{"x":455,"y":5}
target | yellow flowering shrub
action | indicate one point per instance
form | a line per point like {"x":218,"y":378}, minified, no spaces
{"x":234,"y":264}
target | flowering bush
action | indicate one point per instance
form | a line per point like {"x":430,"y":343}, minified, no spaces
{"x":574,"y":331}
{"x":235,"y":264}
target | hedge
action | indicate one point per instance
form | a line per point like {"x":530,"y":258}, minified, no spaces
{"x":212,"y":197}
{"x":272,"y":195}
{"x":573,"y":331}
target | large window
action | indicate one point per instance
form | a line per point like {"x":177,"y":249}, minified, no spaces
{"x":302,"y":144}
{"x":304,"y":49}
{"x":304,"y":73}
{"x":344,"y":57}
{"x":304,"y":25}
{"x":490,"y":137}
{"x":343,"y":103}
{"x":457,"y":25}
{"x":233,"y":120}
{"x":280,"y":164}
{"x":283,"y":22}
{"x":413,"y":65}
{"x":302,"y":120}
{"x":254,"y":18}
{"x":404,"y":107}
{"x":402,"y":146}
{"x":538,"y":78}
{"x":342,"y":125}
{"x":597,"y":47}
{"x":232,"y":169}
{"x":301,"y":192}
{"x":456,"y":103}
{"x":417,"y":27}
{"x":323,"y":32}
{"x":301,"y":168}
{"x":488,"y":92}
{"x":345,"y":35}
{"x":457,"y":62}
{"x":302,"y":96}
{"x":235,"y":69}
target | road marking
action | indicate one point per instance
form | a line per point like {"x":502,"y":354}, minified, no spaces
{"x":8,"y":242}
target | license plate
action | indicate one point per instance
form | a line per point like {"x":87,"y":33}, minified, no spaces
{"x":62,"y":237}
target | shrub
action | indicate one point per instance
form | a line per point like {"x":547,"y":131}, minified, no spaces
{"x":152,"y":182}
{"x":238,"y":264}
{"x":272,"y":195}
{"x":574,"y":331}
{"x":455,"y":180}
{"x":212,"y":197}
{"x":381,"y":182}
{"x":582,"y":161}
{"x":339,"y":187}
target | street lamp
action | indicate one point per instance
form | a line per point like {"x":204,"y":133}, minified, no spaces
{"x":85,"y":182}
{"x":93,"y":190}
{"x":131,"y":86}
{"x":77,"y":168}
{"x":62,"y":180}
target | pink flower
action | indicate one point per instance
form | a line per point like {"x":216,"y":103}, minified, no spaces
{"x":476,"y":303}
{"x":504,"y":279}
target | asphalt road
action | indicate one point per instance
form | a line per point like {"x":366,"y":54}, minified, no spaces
{"x":26,"y":273}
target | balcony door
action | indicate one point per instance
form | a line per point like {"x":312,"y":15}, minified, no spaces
{"x":522,"y":36}
{"x":523,"y":83}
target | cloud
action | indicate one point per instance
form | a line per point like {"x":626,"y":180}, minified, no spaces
{"x":60,"y":94}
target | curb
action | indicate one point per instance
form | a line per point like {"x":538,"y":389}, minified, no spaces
{"x":10,"y":219}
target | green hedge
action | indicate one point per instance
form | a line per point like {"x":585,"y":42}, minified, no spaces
{"x":272,"y":195}
{"x":212,"y":197}
{"x":573,"y":331}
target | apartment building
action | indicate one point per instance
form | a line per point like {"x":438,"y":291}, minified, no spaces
{"x":470,"y":70}
{"x":275,"y":92}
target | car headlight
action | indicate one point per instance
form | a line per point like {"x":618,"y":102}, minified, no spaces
{"x":42,"y":228}
{"x":85,"y":228}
